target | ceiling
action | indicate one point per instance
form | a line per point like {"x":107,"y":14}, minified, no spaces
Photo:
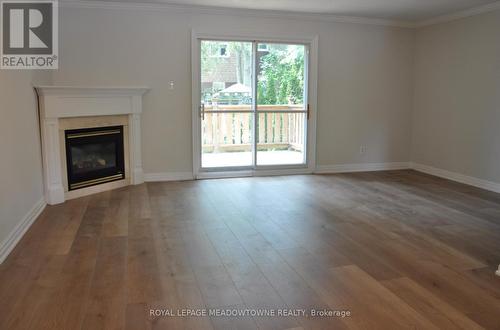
{"x":405,"y":10}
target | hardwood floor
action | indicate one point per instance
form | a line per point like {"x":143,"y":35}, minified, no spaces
{"x":398,"y":249}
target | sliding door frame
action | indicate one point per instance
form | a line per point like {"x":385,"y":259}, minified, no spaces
{"x":311,"y":43}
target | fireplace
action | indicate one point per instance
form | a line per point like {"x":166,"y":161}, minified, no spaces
{"x":94,"y":156}
{"x":67,"y":109}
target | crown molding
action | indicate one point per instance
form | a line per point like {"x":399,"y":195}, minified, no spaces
{"x":176,"y":8}
{"x":231,"y":11}
{"x":459,"y":15}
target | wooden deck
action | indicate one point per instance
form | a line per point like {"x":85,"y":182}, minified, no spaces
{"x":399,"y":250}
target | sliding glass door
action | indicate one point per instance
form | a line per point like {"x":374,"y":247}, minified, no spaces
{"x":253,"y":105}
{"x":227,"y":104}
{"x":281,"y":104}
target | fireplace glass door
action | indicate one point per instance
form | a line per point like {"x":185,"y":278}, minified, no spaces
{"x":94,"y":156}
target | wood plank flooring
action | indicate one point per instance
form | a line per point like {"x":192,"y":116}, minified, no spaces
{"x":398,"y":249}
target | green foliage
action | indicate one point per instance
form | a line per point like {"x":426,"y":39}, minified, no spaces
{"x":281,"y":76}
{"x":280,"y":69}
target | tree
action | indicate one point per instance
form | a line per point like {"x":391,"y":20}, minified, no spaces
{"x":281,"y":75}
{"x":243,"y":53}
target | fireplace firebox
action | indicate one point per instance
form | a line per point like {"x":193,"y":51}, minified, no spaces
{"x":94,"y":156}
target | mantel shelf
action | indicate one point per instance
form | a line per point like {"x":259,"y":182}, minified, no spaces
{"x":91,"y":90}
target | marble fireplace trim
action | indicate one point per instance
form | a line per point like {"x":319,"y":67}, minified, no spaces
{"x":86,"y":122}
{"x":61,"y":106}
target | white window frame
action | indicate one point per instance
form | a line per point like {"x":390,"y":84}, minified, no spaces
{"x":311,"y":89}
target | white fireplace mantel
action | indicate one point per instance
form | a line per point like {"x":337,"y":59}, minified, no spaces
{"x":57,"y":102}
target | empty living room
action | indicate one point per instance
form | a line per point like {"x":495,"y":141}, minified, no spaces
{"x":281,"y":164}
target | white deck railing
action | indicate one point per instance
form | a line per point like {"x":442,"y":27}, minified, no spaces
{"x":232,"y":131}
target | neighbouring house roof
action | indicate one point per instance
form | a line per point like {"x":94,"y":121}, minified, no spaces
{"x":237,"y":88}
{"x":224,"y":71}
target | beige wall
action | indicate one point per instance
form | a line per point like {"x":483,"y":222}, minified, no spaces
{"x":365,"y":78}
{"x":20,"y":165}
{"x":456,"y":121}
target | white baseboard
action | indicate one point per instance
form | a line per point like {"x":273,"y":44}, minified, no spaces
{"x":22,"y":227}
{"x":362,"y":167}
{"x":472,"y":181}
{"x":184,"y":176}
{"x":168,"y":176}
{"x":340,"y":168}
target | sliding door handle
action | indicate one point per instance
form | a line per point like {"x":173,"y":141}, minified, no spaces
{"x":202,"y":111}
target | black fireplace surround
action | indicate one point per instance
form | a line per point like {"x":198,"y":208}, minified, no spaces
{"x":94,"y":156}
